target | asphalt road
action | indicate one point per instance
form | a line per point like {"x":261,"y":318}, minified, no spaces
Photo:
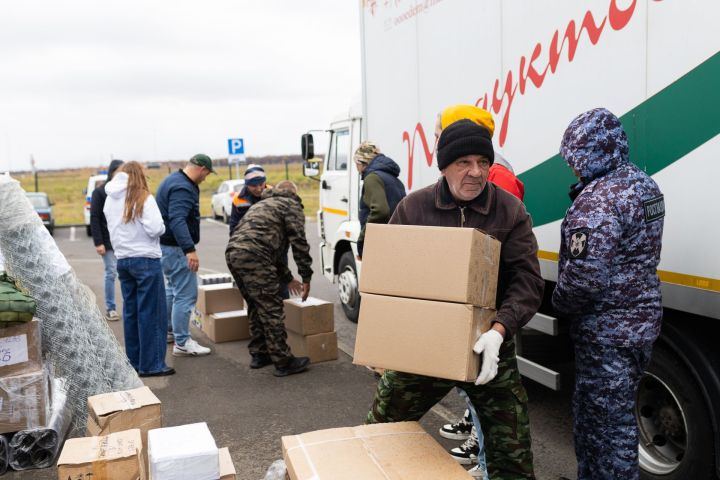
{"x":249,"y":410}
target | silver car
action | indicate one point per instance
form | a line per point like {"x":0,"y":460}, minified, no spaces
{"x":223,"y":197}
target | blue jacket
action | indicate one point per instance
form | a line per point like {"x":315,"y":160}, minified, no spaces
{"x":610,"y":238}
{"x":179,"y":200}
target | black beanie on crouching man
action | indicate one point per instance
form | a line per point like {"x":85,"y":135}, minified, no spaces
{"x":461,"y":138}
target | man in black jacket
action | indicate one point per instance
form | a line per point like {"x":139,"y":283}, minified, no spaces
{"x":101,"y":239}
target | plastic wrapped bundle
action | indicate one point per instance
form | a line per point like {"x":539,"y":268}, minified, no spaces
{"x":4,"y":455}
{"x":38,"y":447}
{"x":277,"y":471}
{"x":77,"y":342}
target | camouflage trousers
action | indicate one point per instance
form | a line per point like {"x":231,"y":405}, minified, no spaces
{"x":606,"y":434}
{"x":501,"y":406}
{"x":259,"y":284}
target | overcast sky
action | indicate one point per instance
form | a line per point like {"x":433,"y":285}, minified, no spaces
{"x":82,"y":80}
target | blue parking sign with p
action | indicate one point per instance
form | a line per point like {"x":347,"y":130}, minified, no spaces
{"x":236,"y":146}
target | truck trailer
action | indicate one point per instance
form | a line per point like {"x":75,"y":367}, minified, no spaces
{"x":535,"y":66}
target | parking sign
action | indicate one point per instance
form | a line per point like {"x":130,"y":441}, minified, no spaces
{"x":236,"y":146}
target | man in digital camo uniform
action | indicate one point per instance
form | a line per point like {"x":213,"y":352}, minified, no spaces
{"x":255,"y":256}
{"x":608,"y":286}
{"x":464,"y":198}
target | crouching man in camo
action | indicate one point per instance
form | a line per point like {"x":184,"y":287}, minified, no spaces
{"x":255,"y":256}
{"x":464,"y":198}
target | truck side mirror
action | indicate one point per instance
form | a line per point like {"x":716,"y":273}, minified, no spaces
{"x":311,"y":169}
{"x":308,"y":147}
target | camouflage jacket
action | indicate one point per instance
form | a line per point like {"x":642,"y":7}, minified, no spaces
{"x":271,"y":226}
{"x":610,"y":238}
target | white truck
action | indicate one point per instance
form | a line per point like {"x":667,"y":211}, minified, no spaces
{"x":535,"y":66}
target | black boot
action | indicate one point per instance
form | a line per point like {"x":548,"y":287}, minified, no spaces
{"x":295,"y":365}
{"x":261,"y":360}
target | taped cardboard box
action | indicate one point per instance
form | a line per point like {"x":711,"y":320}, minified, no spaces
{"x":433,"y":263}
{"x":223,"y":297}
{"x":383,"y":451}
{"x":320,"y":347}
{"x":118,"y":411}
{"x":117,"y":456}
{"x":309,"y":317}
{"x":187,"y":452}
{"x":227,"y":468}
{"x":24,"y":401}
{"x":226,"y":326}
{"x":21,"y":349}
{"x":420,"y":336}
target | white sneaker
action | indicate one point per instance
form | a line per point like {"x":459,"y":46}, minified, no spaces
{"x":112,"y":316}
{"x":190,"y":349}
{"x":476,"y":472}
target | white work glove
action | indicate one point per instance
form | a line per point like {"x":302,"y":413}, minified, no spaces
{"x":488,"y":345}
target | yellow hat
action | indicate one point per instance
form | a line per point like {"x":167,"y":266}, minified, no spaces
{"x":467,"y":112}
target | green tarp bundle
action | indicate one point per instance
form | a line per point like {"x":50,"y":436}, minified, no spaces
{"x":15,"y":306}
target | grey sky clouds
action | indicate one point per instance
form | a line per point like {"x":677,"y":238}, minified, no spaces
{"x":147,"y":80}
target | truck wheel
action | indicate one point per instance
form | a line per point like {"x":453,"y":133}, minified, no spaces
{"x":88,"y":230}
{"x":348,"y":287}
{"x":676,"y":440}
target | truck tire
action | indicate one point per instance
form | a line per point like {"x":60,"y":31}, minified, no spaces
{"x":676,"y":438}
{"x":348,"y":286}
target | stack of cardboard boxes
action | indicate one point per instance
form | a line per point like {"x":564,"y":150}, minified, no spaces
{"x":24,"y":386}
{"x":126,"y":441}
{"x":310,"y":329}
{"x":220,"y":313}
{"x":427,"y":295}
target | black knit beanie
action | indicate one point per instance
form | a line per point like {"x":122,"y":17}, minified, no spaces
{"x":461,"y":138}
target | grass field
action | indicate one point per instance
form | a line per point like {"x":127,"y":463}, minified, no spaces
{"x":65,"y":188}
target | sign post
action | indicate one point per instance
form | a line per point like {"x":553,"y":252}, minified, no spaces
{"x":236,"y":153}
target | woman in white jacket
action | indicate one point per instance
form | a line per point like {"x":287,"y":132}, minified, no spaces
{"x":135,"y":226}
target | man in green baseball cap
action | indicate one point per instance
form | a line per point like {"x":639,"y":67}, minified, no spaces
{"x":202,"y":160}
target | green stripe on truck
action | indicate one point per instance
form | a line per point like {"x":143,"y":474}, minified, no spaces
{"x":661,"y":130}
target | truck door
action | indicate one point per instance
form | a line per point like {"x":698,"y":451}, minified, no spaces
{"x":335,"y":189}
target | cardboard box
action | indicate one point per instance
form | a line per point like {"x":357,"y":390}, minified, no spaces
{"x":223,"y":297}
{"x":420,"y":336}
{"x":227,"y":468}
{"x":226,"y":326}
{"x":383,"y":451}
{"x":320,"y":347}
{"x":433,"y":263}
{"x":21,"y":349}
{"x":24,"y":401}
{"x":117,"y":456}
{"x":118,"y":411}
{"x":309,"y":317}
{"x":187,"y":452}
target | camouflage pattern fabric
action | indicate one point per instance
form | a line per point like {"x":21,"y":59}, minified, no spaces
{"x":501,"y":405}
{"x":610,"y":238}
{"x":256,"y":256}
{"x":606,"y":435}
{"x":608,"y":287}
{"x":366,"y":152}
{"x":259,"y":284}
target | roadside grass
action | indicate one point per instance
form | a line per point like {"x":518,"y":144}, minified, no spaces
{"x":65,"y":188}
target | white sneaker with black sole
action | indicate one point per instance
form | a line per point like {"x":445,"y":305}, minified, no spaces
{"x":466,"y":454}
{"x":459,"y":430}
{"x":190,"y":349}
{"x":112,"y":316}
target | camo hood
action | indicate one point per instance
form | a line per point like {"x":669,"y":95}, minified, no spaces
{"x":594,"y":143}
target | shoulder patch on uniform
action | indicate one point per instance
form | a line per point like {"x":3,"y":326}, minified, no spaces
{"x":577,"y":247}
{"x":654,"y":209}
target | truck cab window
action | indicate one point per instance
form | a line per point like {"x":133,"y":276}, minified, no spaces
{"x":339,"y":151}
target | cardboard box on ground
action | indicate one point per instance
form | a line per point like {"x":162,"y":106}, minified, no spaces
{"x":428,"y":294}
{"x":220,"y":314}
{"x":117,"y":456}
{"x":24,"y":387}
{"x":381,"y":451}
{"x":118,"y":411}
{"x":223,"y":297}
{"x":310,"y":329}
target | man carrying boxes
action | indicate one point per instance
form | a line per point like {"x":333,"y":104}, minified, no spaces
{"x":464,"y":198}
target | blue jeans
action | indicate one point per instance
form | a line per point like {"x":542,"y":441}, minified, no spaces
{"x":180,"y":292}
{"x":110,"y":263}
{"x":144,"y":312}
